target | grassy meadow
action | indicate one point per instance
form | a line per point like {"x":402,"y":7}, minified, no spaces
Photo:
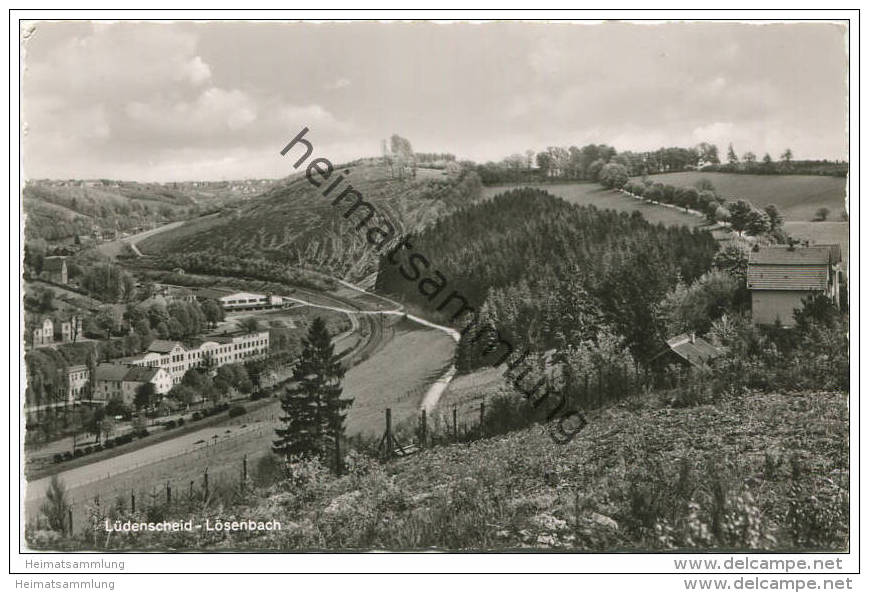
{"x":798,"y":197}
{"x":592,"y":194}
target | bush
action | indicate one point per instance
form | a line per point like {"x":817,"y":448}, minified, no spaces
{"x":196,"y":416}
{"x":109,"y":444}
{"x":58,"y":458}
{"x":236,"y":411}
{"x":78,"y":453}
{"x":98,"y":448}
{"x":181,"y":422}
{"x":88,"y":450}
{"x":67,"y":456}
{"x":141,"y":433}
{"x":169,"y":424}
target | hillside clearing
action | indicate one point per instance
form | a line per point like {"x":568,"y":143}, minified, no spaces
{"x":592,"y":194}
{"x":798,"y":197}
{"x":396,"y":376}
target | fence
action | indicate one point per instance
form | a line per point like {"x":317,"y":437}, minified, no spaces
{"x":196,"y":470}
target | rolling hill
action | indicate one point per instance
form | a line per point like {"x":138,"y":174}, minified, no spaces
{"x":58,"y":210}
{"x":798,"y":197}
{"x":294,"y":225}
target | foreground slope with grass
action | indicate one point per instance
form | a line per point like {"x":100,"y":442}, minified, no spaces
{"x":754,"y":471}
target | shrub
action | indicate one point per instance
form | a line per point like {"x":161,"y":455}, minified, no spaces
{"x":58,"y":458}
{"x":88,"y":450}
{"x":236,"y":411}
{"x":98,"y":448}
{"x":181,"y":422}
{"x":78,"y":453}
{"x":196,"y":416}
{"x":169,"y":424}
{"x":109,"y":444}
{"x":67,"y":456}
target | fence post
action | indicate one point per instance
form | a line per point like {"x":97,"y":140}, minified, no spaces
{"x":599,"y":386}
{"x":190,"y":494}
{"x":455,"y":425}
{"x":69,"y":515}
{"x":338,"y":463}
{"x":168,"y":493}
{"x":244,"y":472}
{"x":205,"y":496}
{"x":482,"y":419}
{"x":132,"y":500}
{"x":423,"y":430}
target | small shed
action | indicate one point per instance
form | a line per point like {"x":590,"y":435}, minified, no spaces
{"x":687,"y":350}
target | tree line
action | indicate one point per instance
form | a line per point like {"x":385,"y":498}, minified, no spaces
{"x":585,"y":163}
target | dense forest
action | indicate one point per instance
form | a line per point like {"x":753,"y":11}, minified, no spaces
{"x":546,"y":273}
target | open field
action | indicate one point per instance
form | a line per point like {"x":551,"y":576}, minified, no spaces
{"x":466,"y":392}
{"x":821,"y":232}
{"x":592,"y":194}
{"x":797,"y":197}
{"x":396,"y":376}
{"x":116,"y":247}
{"x":220,"y":448}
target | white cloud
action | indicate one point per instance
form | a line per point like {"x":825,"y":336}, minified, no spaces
{"x":338,"y":84}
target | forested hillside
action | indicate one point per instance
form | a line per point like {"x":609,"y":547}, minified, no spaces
{"x":547,"y":273}
{"x":57,"y":210}
{"x":293,"y":225}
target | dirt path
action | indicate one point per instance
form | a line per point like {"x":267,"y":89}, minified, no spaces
{"x":434,"y":392}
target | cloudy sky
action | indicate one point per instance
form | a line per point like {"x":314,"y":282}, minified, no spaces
{"x":162,"y":102}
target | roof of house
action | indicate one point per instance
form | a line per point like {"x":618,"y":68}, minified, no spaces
{"x":244,"y":295}
{"x":111,"y":372}
{"x":780,"y":267}
{"x":778,"y":277}
{"x":835,"y":252}
{"x":141,"y":374}
{"x":162,"y":346}
{"x":693,"y":350}
{"x":796,"y":256}
{"x":53,"y":264}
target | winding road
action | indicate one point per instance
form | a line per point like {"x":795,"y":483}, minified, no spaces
{"x":101,"y":474}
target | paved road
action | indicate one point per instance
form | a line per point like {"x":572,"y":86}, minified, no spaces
{"x":114,"y":248}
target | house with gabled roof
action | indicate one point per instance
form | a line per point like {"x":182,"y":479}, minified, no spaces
{"x":137,"y":376}
{"x":780,"y":277}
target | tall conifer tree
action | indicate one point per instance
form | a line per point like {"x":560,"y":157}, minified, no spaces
{"x":314,"y":411}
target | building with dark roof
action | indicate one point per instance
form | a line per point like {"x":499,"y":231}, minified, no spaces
{"x":688,"y":349}
{"x":108,"y":381}
{"x":781,"y":277}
